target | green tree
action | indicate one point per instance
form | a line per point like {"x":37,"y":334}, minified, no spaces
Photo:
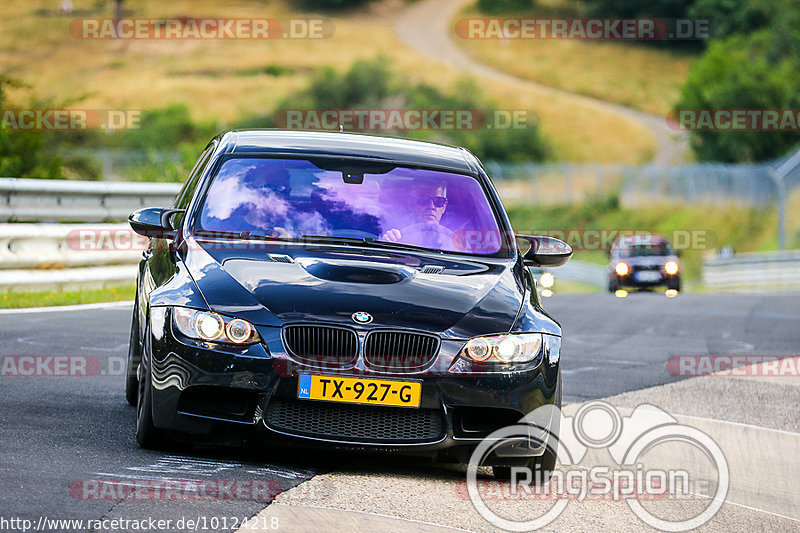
{"x":371,"y":84}
{"x":502,"y":7}
{"x":23,"y":154}
{"x":744,"y":72}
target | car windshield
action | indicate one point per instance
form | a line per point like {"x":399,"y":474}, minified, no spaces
{"x":296,"y":199}
{"x":646,"y":250}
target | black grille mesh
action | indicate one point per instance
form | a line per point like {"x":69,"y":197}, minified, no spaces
{"x":321,"y":343}
{"x":395,"y":350}
{"x":354,"y":423}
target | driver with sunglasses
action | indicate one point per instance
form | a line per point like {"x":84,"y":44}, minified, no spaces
{"x":428,"y":204}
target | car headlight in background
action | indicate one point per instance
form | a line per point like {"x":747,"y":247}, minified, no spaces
{"x":207,"y":326}
{"x":671,"y":267}
{"x":547,"y":280}
{"x":513,"y":348}
{"x":621,"y":269}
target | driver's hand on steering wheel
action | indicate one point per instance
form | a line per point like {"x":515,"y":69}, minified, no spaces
{"x":393,"y":235}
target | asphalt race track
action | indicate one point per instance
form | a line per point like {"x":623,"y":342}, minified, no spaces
{"x":60,"y":431}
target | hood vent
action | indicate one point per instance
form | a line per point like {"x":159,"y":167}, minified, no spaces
{"x":280,"y":258}
{"x":432,"y":269}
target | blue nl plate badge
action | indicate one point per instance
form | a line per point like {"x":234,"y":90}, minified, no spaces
{"x":304,"y":386}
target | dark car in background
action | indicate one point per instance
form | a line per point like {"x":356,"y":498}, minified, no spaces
{"x":643,"y":262}
{"x":341,"y":290}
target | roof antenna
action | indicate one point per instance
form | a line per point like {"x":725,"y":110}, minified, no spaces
{"x":341,"y":127}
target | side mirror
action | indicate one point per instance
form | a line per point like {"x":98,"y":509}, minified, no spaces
{"x":545,"y":251}
{"x":153,"y":222}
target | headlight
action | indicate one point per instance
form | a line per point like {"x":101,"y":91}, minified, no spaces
{"x":209,"y":326}
{"x":546,"y":280}
{"x":515,"y":348}
{"x":621,"y":269}
{"x":671,"y":267}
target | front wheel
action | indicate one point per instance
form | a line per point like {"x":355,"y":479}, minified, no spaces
{"x":131,"y":378}
{"x":542,"y":466}
{"x":613,"y":285}
{"x":674,"y":284}
{"x":148,"y":436}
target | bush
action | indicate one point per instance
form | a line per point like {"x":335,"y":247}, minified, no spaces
{"x":166,"y":127}
{"x":500,"y":7}
{"x":732,"y":17}
{"x":326,"y":5}
{"x":372,"y":85}
{"x":23,"y":154}
{"x":760,"y":71}
{"x":638,"y":8}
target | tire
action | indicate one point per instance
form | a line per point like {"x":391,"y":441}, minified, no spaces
{"x":612,"y":285}
{"x":148,"y":436}
{"x":131,"y":379}
{"x":544,"y":463}
{"x":674,"y":284}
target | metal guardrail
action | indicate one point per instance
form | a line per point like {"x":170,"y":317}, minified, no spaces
{"x":60,"y":255}
{"x":760,"y":270}
{"x":582,"y":272}
{"x":65,"y":256}
{"x":34,"y":200}
{"x":58,"y":246}
{"x":56,"y":255}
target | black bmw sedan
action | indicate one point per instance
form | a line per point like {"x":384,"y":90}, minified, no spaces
{"x":341,"y":290}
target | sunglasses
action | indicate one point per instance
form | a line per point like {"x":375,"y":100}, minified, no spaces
{"x":280,"y":189}
{"x":438,"y":201}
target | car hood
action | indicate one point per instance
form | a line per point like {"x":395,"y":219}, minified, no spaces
{"x":292,"y":283}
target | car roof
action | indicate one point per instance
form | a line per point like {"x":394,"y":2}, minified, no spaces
{"x":628,"y":241}
{"x":352,"y":145}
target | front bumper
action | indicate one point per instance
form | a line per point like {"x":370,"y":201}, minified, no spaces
{"x":214,"y":390}
{"x":631,"y":280}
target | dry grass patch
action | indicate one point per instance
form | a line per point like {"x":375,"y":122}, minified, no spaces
{"x":624,"y":73}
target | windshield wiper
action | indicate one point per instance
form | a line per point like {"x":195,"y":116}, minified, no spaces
{"x":365,"y":241}
{"x":243,"y":235}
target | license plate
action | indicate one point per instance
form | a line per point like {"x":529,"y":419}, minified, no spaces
{"x":648,"y":275}
{"x":359,"y":390}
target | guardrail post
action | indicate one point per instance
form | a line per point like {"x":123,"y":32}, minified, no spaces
{"x":780,"y":191}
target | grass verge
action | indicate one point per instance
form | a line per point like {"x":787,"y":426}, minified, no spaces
{"x":704,"y":229}
{"x":21,"y":299}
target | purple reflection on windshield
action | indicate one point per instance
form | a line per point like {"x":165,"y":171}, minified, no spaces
{"x":290,"y":198}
